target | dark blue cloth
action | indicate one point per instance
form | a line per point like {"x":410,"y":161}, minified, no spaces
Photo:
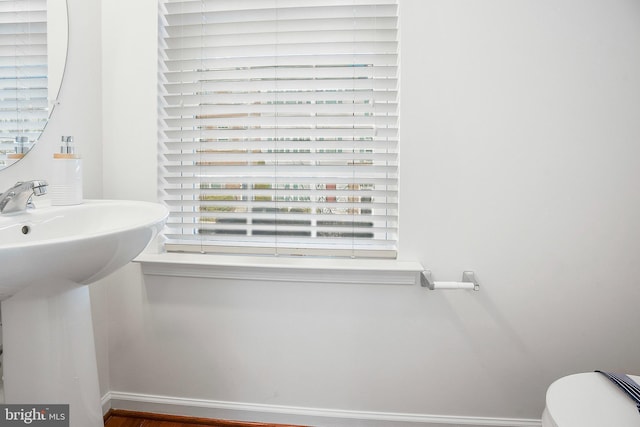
{"x":626,"y":384}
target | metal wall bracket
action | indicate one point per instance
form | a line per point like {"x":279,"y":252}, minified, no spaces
{"x":426,"y":281}
{"x":470,"y":277}
{"x":468,"y":282}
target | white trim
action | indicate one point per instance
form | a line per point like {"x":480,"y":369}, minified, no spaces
{"x":106,"y":402}
{"x":298,"y":415}
{"x":287,"y":269}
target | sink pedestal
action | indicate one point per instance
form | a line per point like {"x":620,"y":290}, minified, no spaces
{"x":49,"y":351}
{"x":48,"y":256}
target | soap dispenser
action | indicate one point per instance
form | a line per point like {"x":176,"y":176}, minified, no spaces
{"x":20,"y":149}
{"x":66,"y":182}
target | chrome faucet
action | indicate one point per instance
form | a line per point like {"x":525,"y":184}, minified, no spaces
{"x":18,"y":197}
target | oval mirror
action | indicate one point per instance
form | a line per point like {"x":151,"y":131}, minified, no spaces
{"x":33,"y":54}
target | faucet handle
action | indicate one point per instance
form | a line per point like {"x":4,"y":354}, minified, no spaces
{"x":39,"y":187}
{"x":32,"y":184}
{"x":18,"y":197}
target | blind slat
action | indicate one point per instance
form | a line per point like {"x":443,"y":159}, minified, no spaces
{"x":182,"y":16}
{"x":176,"y":33}
{"x":289,"y":49}
{"x":206,"y":63}
{"x":283,"y":72}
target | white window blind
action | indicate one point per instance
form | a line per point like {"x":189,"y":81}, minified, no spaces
{"x":24,"y":108}
{"x":279,"y":126}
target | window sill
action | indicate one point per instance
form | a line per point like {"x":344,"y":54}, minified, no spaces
{"x":281,"y":269}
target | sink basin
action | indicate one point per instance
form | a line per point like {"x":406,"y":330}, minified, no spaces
{"x":47,"y":254}
{"x":80,"y":244}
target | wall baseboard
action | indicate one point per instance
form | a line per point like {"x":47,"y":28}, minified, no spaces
{"x":296,"y":415}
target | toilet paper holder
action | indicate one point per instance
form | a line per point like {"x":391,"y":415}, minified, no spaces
{"x":468,"y":282}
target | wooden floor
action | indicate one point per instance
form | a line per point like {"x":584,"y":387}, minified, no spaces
{"x":120,"y":418}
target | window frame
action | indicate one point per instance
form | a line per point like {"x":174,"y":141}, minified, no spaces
{"x":197,"y":246}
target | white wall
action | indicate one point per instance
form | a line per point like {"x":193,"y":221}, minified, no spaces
{"x":519,"y":146}
{"x":129,"y":58}
{"x":519,"y":143}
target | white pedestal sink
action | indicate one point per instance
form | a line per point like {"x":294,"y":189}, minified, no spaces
{"x":47,"y":254}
